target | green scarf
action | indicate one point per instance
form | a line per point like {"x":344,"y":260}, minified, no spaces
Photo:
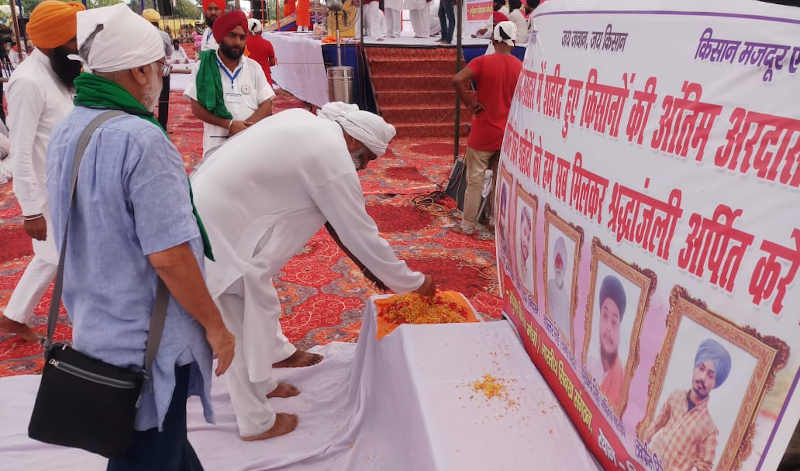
{"x":93,"y":91}
{"x":209,"y":85}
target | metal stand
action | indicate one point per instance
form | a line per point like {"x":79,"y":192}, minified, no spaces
{"x":459,"y":55}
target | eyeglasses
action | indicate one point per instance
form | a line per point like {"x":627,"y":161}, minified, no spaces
{"x":165,"y":67}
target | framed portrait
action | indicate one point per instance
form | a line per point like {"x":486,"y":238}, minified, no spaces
{"x":703,"y":359}
{"x":502,"y":221}
{"x":562,"y":248}
{"x":525,"y":208}
{"x":619,"y":294}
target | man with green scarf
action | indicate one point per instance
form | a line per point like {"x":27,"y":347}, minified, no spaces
{"x":229,"y":91}
{"x":132,"y":222}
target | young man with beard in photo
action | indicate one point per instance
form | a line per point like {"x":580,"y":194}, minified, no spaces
{"x":39,"y":97}
{"x":608,"y":367}
{"x":684,"y":435}
{"x":230,"y":91}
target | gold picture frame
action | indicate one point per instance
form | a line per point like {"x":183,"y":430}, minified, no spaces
{"x":503,"y":176}
{"x":575,"y":233}
{"x":533,"y":202}
{"x":646,"y":280}
{"x":682,"y":305}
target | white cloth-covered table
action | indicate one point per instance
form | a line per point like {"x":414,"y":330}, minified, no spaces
{"x":396,"y":404}
{"x":300,"y":69}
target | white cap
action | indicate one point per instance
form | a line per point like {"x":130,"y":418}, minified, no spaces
{"x":363,"y":126}
{"x":254,"y":26}
{"x":506,"y":32}
{"x":115,"y":38}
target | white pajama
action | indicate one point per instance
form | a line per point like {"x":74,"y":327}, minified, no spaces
{"x":260,"y":208}
{"x":30,"y":288}
{"x":393,"y":17}
{"x":373,"y":20}
{"x":37,"y":103}
{"x":254,"y":415}
{"x":421,"y":22}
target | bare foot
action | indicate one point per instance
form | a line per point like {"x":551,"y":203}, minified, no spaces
{"x":284,"y":423}
{"x":299,"y":359}
{"x":17,"y":328}
{"x":284,"y":390}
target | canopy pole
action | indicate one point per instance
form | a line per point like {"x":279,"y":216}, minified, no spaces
{"x":459,"y":55}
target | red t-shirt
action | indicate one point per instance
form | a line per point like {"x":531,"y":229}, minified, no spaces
{"x":496,"y":76}
{"x":261,"y":51}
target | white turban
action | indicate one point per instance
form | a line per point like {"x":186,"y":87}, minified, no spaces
{"x":365,"y":127}
{"x":115,"y":38}
{"x":506,"y":32}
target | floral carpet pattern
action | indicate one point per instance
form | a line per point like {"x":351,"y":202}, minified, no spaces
{"x":322,"y":291}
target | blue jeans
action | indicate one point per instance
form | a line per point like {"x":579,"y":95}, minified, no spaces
{"x":168,"y":450}
{"x":447,"y":19}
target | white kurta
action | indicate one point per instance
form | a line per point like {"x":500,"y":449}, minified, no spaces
{"x":244,"y":90}
{"x":260,"y":206}
{"x":208,"y":41}
{"x":37,"y":102}
{"x":373,"y":20}
{"x":521,"y":23}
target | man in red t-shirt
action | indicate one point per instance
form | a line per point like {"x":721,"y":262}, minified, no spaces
{"x":259,"y":49}
{"x":496,"y":77}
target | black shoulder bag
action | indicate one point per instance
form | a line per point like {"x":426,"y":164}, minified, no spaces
{"x":84,"y":402}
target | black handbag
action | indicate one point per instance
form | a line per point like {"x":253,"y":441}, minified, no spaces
{"x":457,"y":183}
{"x":84,"y":402}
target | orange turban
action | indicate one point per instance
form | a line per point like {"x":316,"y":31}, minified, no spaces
{"x":219,"y":3}
{"x":53,"y":23}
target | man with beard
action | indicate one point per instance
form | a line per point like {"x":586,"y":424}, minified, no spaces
{"x":290,"y":191}
{"x":130,"y":223}
{"x":607,"y":369}
{"x":39,"y":97}
{"x":212,"y":9}
{"x":229,"y":92}
{"x":558,"y":295}
{"x":683,"y":435}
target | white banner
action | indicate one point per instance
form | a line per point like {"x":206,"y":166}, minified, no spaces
{"x":648,"y":226}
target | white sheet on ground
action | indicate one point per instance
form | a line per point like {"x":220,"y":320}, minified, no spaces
{"x":399,"y":403}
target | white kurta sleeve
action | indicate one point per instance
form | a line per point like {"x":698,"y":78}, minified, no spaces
{"x":26,"y":104}
{"x":342,"y":203}
{"x":263,"y":91}
{"x":191,"y":89}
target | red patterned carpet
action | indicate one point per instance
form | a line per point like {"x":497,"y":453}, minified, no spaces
{"x":323,"y":293}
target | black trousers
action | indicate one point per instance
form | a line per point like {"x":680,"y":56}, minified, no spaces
{"x":447,"y":19}
{"x":163,"y":103}
{"x":168,"y":450}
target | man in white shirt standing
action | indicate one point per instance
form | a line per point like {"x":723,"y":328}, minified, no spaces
{"x":39,"y":98}
{"x":300,"y":184}
{"x":212,"y":9}
{"x":229,"y":91}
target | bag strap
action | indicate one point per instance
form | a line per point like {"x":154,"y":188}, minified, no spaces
{"x":162,"y":295}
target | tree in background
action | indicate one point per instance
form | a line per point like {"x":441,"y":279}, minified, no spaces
{"x":186,"y":9}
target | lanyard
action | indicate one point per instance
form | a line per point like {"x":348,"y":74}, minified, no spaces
{"x":225,"y":69}
{"x":208,"y":36}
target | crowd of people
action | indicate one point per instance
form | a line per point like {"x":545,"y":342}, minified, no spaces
{"x":217,"y":239}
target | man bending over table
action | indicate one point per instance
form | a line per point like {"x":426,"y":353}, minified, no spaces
{"x":261,"y":205}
